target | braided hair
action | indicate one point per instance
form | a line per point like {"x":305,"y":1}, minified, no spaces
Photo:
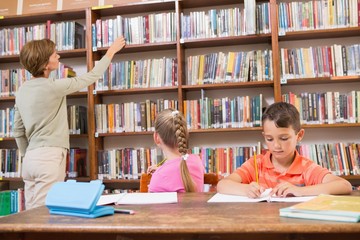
{"x":171,"y":126}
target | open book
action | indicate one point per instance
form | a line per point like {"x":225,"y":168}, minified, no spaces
{"x":265,"y":196}
{"x":326,"y":207}
{"x":138,"y":198}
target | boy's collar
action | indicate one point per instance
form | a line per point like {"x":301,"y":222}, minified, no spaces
{"x":295,"y":167}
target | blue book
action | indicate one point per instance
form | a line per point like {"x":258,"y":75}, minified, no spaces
{"x":78,"y":199}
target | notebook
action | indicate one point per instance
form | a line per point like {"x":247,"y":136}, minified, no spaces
{"x":79,"y":199}
{"x":265,"y":196}
{"x":139,"y":198}
{"x":326,"y":207}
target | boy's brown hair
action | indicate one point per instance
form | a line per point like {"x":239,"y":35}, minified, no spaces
{"x":284,"y":115}
{"x":34,"y":56}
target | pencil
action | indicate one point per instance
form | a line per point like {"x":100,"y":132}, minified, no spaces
{"x":124,"y":211}
{"x":256,"y":166}
{"x":161,"y":163}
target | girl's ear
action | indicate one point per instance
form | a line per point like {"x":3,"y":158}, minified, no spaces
{"x":157,"y":139}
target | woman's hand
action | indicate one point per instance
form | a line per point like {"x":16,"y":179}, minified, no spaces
{"x":116,"y":46}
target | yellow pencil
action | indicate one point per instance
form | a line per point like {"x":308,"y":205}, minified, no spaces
{"x":256,"y":166}
{"x":161,"y":163}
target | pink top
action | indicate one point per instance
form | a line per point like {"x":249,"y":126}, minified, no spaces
{"x":167,"y":178}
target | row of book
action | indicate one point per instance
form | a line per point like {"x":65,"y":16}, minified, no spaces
{"x":64,"y":71}
{"x":326,"y":107}
{"x":66,"y":35}
{"x":205,"y":113}
{"x":131,"y":116}
{"x":77,"y":119}
{"x":318,"y":14}
{"x":237,"y":112}
{"x":229,"y":67}
{"x":152,"y":28}
{"x":129,"y":163}
{"x":320,"y":61}
{"x":12,"y":79}
{"x":226,"y":22}
{"x":339,"y":158}
{"x":7,"y":122}
{"x":12,"y":201}
{"x":10,"y":163}
{"x":76,"y":163}
{"x":161,"y":72}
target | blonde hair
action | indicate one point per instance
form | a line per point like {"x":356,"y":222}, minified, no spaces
{"x":35,"y":55}
{"x":171,"y":126}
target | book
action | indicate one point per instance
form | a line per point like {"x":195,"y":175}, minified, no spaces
{"x":326,"y":207}
{"x":78,"y":199}
{"x":265,"y":197}
{"x":138,"y":198}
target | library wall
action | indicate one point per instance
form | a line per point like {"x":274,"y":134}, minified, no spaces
{"x":183,"y":47}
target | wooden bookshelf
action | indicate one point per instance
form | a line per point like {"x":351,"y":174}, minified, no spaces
{"x":181,"y":49}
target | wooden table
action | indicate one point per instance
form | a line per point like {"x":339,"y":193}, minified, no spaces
{"x":191,"y":218}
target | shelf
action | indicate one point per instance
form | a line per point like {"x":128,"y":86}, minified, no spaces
{"x":322,"y":80}
{"x":7,"y":139}
{"x":42,"y":18}
{"x":11,"y":139}
{"x":336,"y":125}
{"x":79,"y":136}
{"x":321,"y":33}
{"x":228,"y":85}
{"x":226,"y":41}
{"x":63,"y":54}
{"x":137,"y":7}
{"x":17,"y":179}
{"x":125,"y":134}
{"x":77,"y":95}
{"x":73,"y":95}
{"x":7,"y":99}
{"x":148,"y":47}
{"x":122,"y":184}
{"x":219,"y":130}
{"x":136,"y":91}
{"x":353,"y":179}
{"x":206,"y":3}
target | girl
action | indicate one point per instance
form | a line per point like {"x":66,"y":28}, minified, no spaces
{"x":181,"y":172}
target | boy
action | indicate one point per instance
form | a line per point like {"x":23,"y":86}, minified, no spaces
{"x":282,"y":168}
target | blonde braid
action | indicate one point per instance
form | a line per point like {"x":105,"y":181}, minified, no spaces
{"x":181,"y":134}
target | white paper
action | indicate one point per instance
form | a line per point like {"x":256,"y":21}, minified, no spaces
{"x":109,"y":199}
{"x":148,"y":198}
{"x":219,"y":197}
{"x":138,"y":198}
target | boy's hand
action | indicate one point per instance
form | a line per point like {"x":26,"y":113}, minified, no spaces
{"x":253,"y":190}
{"x":286,"y":189}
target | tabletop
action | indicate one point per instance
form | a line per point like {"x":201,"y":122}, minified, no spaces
{"x":191,"y":218}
